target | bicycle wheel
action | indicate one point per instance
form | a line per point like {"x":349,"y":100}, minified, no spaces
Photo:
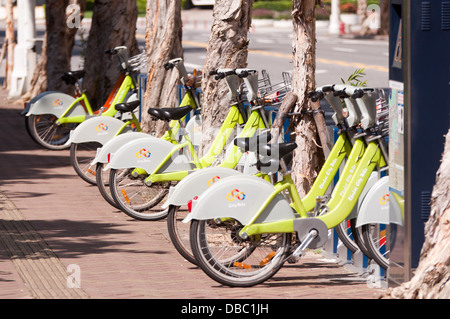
{"x":49,"y":135}
{"x":179,"y":232}
{"x":375,"y":239}
{"x":134,"y":197}
{"x":232,"y":261}
{"x":344,"y":232}
{"x":359,"y":238}
{"x":81,"y":156}
{"x":102,"y":181}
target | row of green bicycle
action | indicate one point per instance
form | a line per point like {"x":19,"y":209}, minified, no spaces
{"x":240,"y":226}
{"x":52,"y":115}
{"x":244,"y":228}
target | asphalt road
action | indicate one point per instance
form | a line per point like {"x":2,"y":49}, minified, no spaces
{"x":270,"y":48}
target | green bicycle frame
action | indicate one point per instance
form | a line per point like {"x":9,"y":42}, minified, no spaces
{"x":119,"y":95}
{"x":174,"y":126}
{"x":339,"y":211}
{"x":365,"y":160}
{"x":341,"y":149}
{"x":171,"y":133}
{"x":233,"y":118}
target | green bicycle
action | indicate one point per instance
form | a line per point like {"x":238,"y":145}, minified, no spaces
{"x":193,"y":126}
{"x":93,"y":133}
{"x":191,"y":187}
{"x":261,"y":97}
{"x":50,"y":116}
{"x":259,"y":229}
{"x":143,"y":170}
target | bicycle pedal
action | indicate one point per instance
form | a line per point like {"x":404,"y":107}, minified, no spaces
{"x":292,"y":259}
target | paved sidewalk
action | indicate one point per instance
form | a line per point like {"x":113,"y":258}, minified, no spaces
{"x":53,"y":225}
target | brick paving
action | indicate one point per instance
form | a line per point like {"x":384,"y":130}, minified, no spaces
{"x":52,"y":222}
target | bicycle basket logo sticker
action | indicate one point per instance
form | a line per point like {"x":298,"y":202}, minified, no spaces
{"x":102,"y":128}
{"x":143,"y":154}
{"x":58,"y":103}
{"x":235,"y":194}
{"x":213,"y":180}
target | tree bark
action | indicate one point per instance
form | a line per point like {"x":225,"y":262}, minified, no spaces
{"x":384,"y":20}
{"x":361,"y":10}
{"x":286,"y":107}
{"x":432,"y":276}
{"x":308,"y":156}
{"x":38,"y":83}
{"x":60,"y":40}
{"x":113,"y":24}
{"x":56,"y":51}
{"x":9,"y":43}
{"x":163,"y":41}
{"x":227,"y":48}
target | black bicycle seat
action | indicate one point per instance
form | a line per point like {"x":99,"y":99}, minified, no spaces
{"x":251,"y":143}
{"x":156,"y":113}
{"x":169,"y":113}
{"x":71,"y":77}
{"x":128,"y":106}
{"x":272,"y":155}
{"x":176,"y":113}
{"x":273,"y":165}
{"x":276,"y":150}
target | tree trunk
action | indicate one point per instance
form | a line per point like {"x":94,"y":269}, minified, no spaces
{"x":9,"y":43}
{"x":361,"y":10}
{"x":227,"y":48}
{"x":308,"y":156}
{"x":56,"y":51}
{"x":286,"y":107}
{"x":384,"y":20}
{"x":38,"y":83}
{"x":432,"y":276}
{"x":113,"y":24}
{"x":60,"y":40}
{"x":163,"y":41}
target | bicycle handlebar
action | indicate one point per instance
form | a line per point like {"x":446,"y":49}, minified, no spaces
{"x":315,"y":95}
{"x":318,"y":93}
{"x":358,"y":93}
{"x":115,"y":50}
{"x":172,"y":63}
{"x":222,"y":73}
{"x":327,"y":88}
{"x":111,"y":51}
{"x":242,"y":73}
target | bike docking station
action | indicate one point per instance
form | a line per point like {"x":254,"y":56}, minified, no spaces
{"x":418,"y":85}
{"x":352,"y":257}
{"x":419,"y":63}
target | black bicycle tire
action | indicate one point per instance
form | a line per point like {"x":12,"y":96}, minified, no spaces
{"x":136,"y":213}
{"x":184,"y":251}
{"x":35,"y":135}
{"x":358,"y":237}
{"x":76,"y":165}
{"x":27,"y":126}
{"x":377,"y":257}
{"x":102,"y":187}
{"x":210,"y":270}
{"x":348,"y":242}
